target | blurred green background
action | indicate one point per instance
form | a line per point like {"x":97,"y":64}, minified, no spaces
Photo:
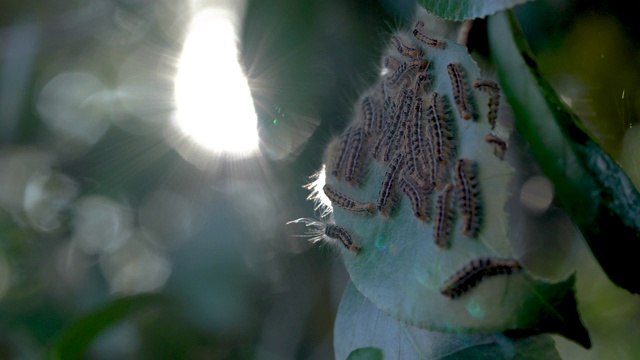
{"x":97,"y":203}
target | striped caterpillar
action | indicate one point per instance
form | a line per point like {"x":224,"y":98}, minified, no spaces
{"x":444,"y":217}
{"x":499,"y":145}
{"x":417,"y":149}
{"x":468,"y":197}
{"x":423,"y":38}
{"x":339,"y":233}
{"x":404,"y":70}
{"x":471,"y":274}
{"x":418,"y":197}
{"x":440,"y":130}
{"x":347,"y":203}
{"x":404,"y":49}
{"x":323,"y":230}
{"x":460,"y":93}
{"x":354,"y":159}
{"x":386,"y":197}
{"x":341,"y":153}
{"x":493,"y":90}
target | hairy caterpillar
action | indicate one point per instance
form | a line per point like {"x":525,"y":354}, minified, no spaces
{"x":386,"y":196}
{"x":491,"y":88}
{"x":468,"y":198}
{"x":460,"y":93}
{"x":444,"y":217}
{"x":348,"y":203}
{"x":322,"y":230}
{"x":423,"y":38}
{"x":471,"y":274}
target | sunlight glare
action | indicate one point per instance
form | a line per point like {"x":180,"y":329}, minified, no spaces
{"x":214,"y":107}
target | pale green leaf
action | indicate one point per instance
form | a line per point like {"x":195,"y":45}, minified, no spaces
{"x":360,"y":324}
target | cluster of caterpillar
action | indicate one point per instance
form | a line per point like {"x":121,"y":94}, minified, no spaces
{"x":405,"y":125}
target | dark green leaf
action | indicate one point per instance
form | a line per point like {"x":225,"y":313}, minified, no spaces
{"x":467,"y":9}
{"x":594,"y":190}
{"x":368,"y":353}
{"x":75,"y":340}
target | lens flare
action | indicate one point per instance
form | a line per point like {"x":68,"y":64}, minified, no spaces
{"x":214,"y":107}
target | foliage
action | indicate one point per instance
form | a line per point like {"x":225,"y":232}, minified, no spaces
{"x":595,"y":191}
{"x":467,"y":10}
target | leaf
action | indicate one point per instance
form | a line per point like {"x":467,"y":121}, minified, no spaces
{"x":360,"y":324}
{"x":368,"y":353}
{"x":592,"y":188}
{"x":628,"y":159}
{"x":401,"y":269}
{"x":526,"y":348}
{"x":75,"y":340}
{"x":467,"y":9}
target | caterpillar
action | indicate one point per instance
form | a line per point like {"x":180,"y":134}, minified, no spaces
{"x":371,"y":116}
{"x":418,"y":150}
{"x":404,"y":49}
{"x":421,"y":83}
{"x":322,"y":230}
{"x":398,"y":136}
{"x":427,"y":40}
{"x":468,"y":197}
{"x":347,"y":203}
{"x":444,"y":217}
{"x":491,"y":88}
{"x":354,"y":159}
{"x":341,"y":154}
{"x":391,"y":62}
{"x":499,"y":145}
{"x":418,"y":198}
{"x":460,"y":93}
{"x":386,"y":197}
{"x":390,"y":138}
{"x":471,"y":274}
{"x":405,"y":69}
{"x":439,"y":129}
{"x":340,"y":233}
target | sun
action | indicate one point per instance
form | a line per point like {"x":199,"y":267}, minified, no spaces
{"x":214,"y":107}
